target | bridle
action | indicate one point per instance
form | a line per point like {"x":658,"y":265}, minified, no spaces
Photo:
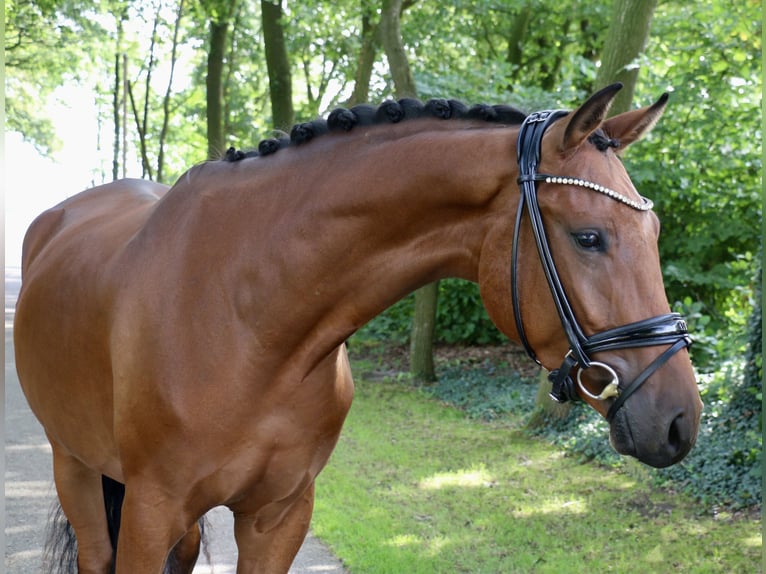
{"x":669,"y":329}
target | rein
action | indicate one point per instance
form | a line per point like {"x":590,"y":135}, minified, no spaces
{"x":669,"y":329}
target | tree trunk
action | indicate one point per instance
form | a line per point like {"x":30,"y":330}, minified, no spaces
{"x":214,"y":87}
{"x":144,"y":130}
{"x":125,"y":86}
{"x":422,"y":333}
{"x":391,"y":35}
{"x":625,"y":41}
{"x":517,"y":36}
{"x":118,"y":102}
{"x":551,"y":66}
{"x":117,"y":105}
{"x":166,"y":98}
{"x":278,"y":65}
{"x":366,"y":60}
{"x":146,"y":167}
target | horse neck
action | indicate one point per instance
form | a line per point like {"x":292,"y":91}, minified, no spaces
{"x":360,"y":222}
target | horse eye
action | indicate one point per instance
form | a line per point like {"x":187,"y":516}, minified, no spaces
{"x":589,"y":240}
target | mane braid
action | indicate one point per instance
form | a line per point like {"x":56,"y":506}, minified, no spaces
{"x":389,"y":112}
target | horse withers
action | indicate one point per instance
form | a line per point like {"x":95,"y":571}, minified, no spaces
{"x":184,"y":348}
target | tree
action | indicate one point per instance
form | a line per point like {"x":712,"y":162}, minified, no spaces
{"x":47,"y":45}
{"x":366,"y":60}
{"x":118,"y":96}
{"x":391,"y":35}
{"x":142,"y":117}
{"x":220,"y":14}
{"x":278,"y":64}
{"x":167,"y":97}
{"x":625,"y":41}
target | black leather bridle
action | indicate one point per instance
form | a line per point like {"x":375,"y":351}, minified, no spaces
{"x":669,"y":329}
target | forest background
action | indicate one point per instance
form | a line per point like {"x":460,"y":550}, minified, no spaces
{"x":174,"y":82}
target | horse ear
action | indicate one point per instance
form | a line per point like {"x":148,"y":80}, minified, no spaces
{"x":588,"y":117}
{"x":631,"y":126}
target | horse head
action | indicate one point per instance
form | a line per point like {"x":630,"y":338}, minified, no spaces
{"x":588,"y":297}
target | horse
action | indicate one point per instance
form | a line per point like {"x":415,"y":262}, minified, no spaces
{"x":184,"y":347}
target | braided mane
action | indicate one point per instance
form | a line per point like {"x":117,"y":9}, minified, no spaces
{"x":389,"y":112}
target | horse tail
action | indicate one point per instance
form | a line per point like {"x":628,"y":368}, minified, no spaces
{"x":60,"y":550}
{"x":114,"y":494}
{"x":60,"y":556}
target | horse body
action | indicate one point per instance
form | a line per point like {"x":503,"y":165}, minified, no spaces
{"x":197,"y":352}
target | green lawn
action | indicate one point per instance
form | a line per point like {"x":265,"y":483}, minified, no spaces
{"x":417,"y":487}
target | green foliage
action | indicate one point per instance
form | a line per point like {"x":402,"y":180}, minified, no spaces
{"x":324,"y":42}
{"x":460,"y":318}
{"x":724,"y":468}
{"x":749,"y":395}
{"x":393,"y":325}
{"x":464,"y":49}
{"x":484,"y":390}
{"x":48,"y":45}
{"x":702,"y":164}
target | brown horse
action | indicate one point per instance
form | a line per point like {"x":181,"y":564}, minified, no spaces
{"x":189,"y":343}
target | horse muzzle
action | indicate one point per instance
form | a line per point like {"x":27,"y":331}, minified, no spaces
{"x":659,"y":441}
{"x":659,"y":425}
{"x":657,"y":430}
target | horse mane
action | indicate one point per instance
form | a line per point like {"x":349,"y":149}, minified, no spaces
{"x":389,"y":112}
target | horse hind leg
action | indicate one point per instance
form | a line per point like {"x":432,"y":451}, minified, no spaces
{"x":81,"y":497}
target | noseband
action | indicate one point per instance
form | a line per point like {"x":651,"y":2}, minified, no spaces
{"x":669,"y":329}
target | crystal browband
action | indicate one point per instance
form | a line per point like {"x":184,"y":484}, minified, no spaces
{"x":646,"y":205}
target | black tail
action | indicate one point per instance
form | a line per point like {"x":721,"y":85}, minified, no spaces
{"x":60,"y":555}
{"x":114,"y":494}
{"x":60,"y":552}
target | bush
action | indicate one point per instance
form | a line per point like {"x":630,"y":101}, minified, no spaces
{"x":724,"y":468}
{"x":484,"y":391}
{"x":460,"y":318}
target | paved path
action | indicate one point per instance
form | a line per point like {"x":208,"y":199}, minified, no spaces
{"x":29,"y":490}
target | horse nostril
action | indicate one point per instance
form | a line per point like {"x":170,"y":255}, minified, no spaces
{"x":675,"y":434}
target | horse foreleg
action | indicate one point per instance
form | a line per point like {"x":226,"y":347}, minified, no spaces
{"x":273,"y":551}
{"x":152,"y":524}
{"x":80,"y":493}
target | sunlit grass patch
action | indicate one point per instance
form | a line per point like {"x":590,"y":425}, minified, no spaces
{"x":463,"y":478}
{"x":418,"y":487}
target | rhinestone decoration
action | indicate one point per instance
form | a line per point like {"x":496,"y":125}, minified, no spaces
{"x":646,"y":205}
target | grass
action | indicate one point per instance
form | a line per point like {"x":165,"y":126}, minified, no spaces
{"x":415,"y":487}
